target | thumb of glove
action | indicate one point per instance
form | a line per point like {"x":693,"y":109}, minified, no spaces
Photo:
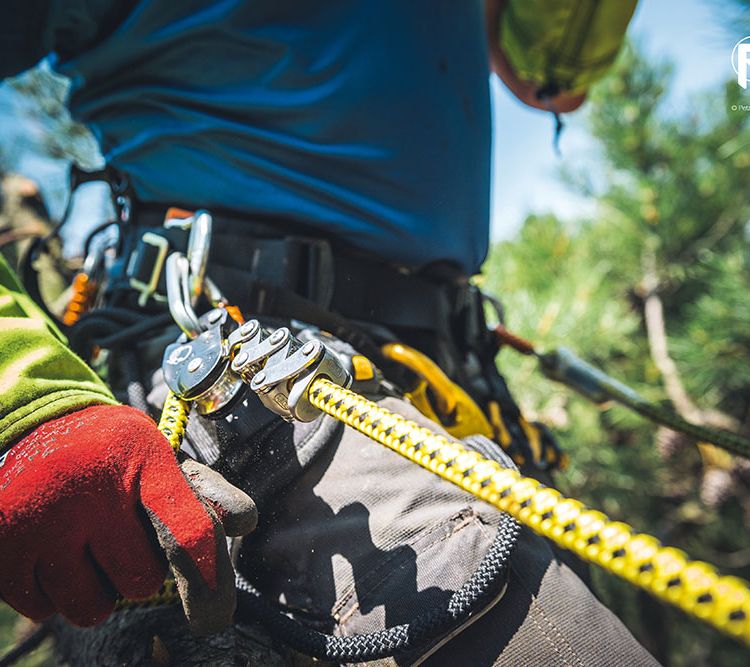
{"x":189,"y":529}
{"x":235,"y":509}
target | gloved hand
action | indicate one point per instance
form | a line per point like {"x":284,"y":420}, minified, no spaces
{"x":83,"y":500}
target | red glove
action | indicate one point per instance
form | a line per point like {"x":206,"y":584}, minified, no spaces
{"x":83,"y":500}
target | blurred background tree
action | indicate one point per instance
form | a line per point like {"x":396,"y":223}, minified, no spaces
{"x":653,"y":288}
{"x":24,"y":213}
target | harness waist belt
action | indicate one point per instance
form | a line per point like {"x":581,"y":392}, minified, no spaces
{"x":253,"y":265}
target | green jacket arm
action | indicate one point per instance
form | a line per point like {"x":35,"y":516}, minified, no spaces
{"x":40,"y":377}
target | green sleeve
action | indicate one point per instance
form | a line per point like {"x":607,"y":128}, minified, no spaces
{"x":565,"y":44}
{"x":40,"y":377}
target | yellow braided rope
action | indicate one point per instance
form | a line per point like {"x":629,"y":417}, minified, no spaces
{"x":693,"y":586}
{"x":167,"y":595}
{"x":173,"y":420}
{"x":172,"y":424}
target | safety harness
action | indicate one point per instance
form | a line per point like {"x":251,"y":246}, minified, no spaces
{"x":275,"y":271}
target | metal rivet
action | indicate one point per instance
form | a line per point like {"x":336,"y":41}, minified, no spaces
{"x":278,"y":336}
{"x":259,"y":378}
{"x":240,"y":359}
{"x":248,"y":328}
{"x":308,"y":348}
{"x":195,"y":364}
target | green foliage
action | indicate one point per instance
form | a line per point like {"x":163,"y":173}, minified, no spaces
{"x":10,"y":623}
{"x":671,"y":220}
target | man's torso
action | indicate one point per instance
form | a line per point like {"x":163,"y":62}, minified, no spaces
{"x":369,"y":122}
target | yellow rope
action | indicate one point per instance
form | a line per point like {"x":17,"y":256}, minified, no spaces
{"x":167,"y":595}
{"x":693,"y":586}
{"x":173,"y":420}
{"x":172,"y":424}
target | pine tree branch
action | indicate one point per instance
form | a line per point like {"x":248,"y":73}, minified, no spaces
{"x":657,"y":342}
{"x":656,"y":332}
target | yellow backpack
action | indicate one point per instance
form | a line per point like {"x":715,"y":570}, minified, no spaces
{"x":563,"y":45}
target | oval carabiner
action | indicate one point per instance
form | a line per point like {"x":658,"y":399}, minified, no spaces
{"x":454,"y":408}
{"x":198,"y":249}
{"x":179,"y":296}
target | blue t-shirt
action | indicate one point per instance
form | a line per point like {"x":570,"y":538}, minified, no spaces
{"x":367,"y":119}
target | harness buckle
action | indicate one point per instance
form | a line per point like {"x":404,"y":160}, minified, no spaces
{"x":150,"y":247}
{"x":147,"y":262}
{"x":310,"y":268}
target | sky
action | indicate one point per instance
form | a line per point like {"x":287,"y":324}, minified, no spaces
{"x":690,"y":32}
{"x":525,"y":166}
